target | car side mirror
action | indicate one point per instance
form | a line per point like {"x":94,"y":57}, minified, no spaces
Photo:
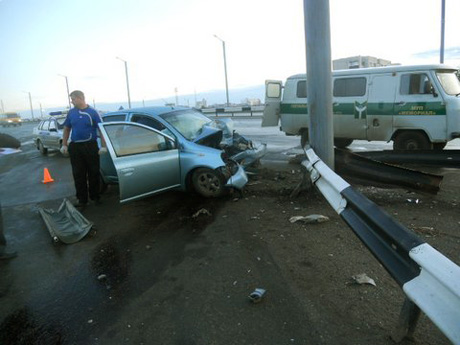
{"x":433,"y":92}
{"x":53,"y":130}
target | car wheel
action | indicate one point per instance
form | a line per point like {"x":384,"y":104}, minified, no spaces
{"x":43,"y":149}
{"x":303,"y":138}
{"x":341,"y":143}
{"x":412,"y":141}
{"x":439,"y":146}
{"x":209,"y":183}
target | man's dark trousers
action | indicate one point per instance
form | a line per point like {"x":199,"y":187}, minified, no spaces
{"x":84,"y":158}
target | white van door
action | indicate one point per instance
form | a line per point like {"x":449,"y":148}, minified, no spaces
{"x":273,"y":93}
{"x":380,"y":106}
{"x":350,"y":107}
{"x":416,"y":107}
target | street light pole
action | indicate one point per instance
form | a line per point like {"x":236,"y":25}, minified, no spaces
{"x":443,"y":22}
{"x":68,"y":92}
{"x":225,"y":67}
{"x":127,"y":81}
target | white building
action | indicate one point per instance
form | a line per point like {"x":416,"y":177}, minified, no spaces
{"x":359,"y":62}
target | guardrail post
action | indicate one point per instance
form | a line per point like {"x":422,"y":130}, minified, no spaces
{"x":407,"y":322}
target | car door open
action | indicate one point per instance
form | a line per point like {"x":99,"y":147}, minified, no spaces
{"x":146,"y":161}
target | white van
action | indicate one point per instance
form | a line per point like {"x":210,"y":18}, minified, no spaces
{"x":418,"y":107}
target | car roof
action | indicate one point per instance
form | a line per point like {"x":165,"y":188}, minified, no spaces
{"x":155,"y":111}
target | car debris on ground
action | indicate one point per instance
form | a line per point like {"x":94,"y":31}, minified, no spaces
{"x":313,"y":218}
{"x":362,"y":278}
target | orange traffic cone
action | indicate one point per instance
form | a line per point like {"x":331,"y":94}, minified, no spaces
{"x":46,"y":176}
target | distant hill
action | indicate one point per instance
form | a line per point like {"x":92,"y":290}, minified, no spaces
{"x":214,"y":97}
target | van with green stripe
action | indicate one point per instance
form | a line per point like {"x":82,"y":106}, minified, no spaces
{"x":418,"y":107}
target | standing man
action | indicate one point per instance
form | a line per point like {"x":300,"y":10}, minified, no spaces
{"x":83,"y":149}
{"x":4,"y":254}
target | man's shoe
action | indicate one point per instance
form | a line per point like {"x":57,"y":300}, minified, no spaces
{"x":80,"y":205}
{"x":8,"y":255}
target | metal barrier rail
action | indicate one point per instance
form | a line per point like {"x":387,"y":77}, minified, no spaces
{"x":430,"y":281}
{"x":234,"y":111}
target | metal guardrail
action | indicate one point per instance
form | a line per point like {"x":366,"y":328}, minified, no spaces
{"x":444,"y":158}
{"x":243,"y":111}
{"x":430,"y":281}
{"x":366,"y":170}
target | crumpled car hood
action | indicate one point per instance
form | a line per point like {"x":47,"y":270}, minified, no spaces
{"x":219,"y":134}
{"x":210,"y":137}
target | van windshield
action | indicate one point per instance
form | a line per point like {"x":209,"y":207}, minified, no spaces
{"x":449,"y":82}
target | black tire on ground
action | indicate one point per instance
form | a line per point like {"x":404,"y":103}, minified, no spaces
{"x":439,"y":146}
{"x":43,"y":150}
{"x":8,"y":141}
{"x":341,"y":143}
{"x":412,"y":140}
{"x":304,"y":138}
{"x":208,"y":183}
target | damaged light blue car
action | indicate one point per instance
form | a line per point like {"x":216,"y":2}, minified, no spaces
{"x":156,"y":149}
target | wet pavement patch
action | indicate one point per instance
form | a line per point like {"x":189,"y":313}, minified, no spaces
{"x":110,"y":264}
{"x":21,"y":328}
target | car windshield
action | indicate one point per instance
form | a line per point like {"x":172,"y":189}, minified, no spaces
{"x":449,"y":82}
{"x":189,"y":123}
{"x":60,"y":122}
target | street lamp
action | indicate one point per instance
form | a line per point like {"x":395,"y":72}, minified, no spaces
{"x":127,"y":81}
{"x":30,"y":102}
{"x":225,"y":67}
{"x":443,"y":22}
{"x":67,"y":84}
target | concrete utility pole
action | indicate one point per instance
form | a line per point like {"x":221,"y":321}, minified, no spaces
{"x":127,"y":81}
{"x":319,"y":78}
{"x":225,"y":68}
{"x":67,"y":86}
{"x":443,"y":22}
{"x":30,"y":102}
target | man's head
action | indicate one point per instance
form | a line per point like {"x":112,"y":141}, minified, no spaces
{"x":78,"y":99}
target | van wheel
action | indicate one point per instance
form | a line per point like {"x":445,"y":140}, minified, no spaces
{"x":209,"y":183}
{"x":43,"y":149}
{"x":411,"y":141}
{"x":303,"y":138}
{"x":439,"y":146}
{"x":341,"y":143}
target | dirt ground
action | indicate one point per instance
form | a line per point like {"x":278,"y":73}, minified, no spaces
{"x":319,"y":260}
{"x":179,"y":268}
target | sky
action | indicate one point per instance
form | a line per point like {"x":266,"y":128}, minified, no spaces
{"x":170,"y":44}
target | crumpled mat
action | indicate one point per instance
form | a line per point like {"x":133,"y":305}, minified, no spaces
{"x":67,"y":224}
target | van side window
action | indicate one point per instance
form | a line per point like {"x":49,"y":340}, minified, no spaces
{"x":349,"y":87}
{"x":415,"y":84}
{"x":302,"y":89}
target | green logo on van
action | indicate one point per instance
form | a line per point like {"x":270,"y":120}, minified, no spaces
{"x":360,"y":110}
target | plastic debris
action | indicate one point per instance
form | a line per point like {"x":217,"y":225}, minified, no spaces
{"x":414,"y":201}
{"x":363,"y":279}
{"x":313,"y":218}
{"x":201,"y":211}
{"x":257,"y":295}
